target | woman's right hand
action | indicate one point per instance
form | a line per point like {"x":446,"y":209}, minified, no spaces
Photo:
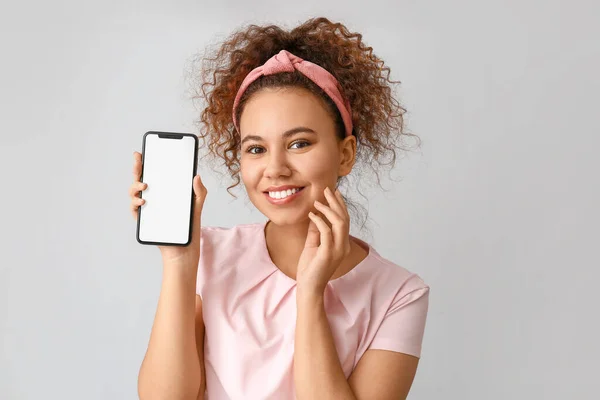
{"x":190,"y":254}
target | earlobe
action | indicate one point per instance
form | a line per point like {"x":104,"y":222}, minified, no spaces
{"x":346,"y":166}
{"x":348,"y":155}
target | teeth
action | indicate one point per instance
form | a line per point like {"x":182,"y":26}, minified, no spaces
{"x":283,"y":194}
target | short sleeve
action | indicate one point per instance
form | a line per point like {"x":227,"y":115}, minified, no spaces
{"x":403,"y":325}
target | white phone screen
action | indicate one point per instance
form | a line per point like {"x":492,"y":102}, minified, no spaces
{"x":169,"y":166}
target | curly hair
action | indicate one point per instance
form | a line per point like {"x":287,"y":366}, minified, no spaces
{"x":377,"y":117}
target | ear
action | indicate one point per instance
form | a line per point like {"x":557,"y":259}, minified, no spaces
{"x":347,"y":148}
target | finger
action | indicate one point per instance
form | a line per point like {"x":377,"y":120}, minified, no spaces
{"x":333,"y":217}
{"x":135,"y":204}
{"x":340,"y":198}
{"x":333,"y":202}
{"x":199,"y":188}
{"x":313,"y":235}
{"x":324,"y":230}
{"x":338,"y":226}
{"x":337,"y":203}
{"x":199,"y":193}
{"x":137,"y":166}
{"x":199,"y":196}
{"x":136,"y":188}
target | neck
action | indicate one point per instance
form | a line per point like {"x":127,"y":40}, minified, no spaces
{"x":285,"y":244}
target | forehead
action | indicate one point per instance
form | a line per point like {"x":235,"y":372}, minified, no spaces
{"x":275,"y":110}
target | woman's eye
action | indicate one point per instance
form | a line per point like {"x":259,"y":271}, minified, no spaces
{"x":249,"y":150}
{"x":303,"y":142}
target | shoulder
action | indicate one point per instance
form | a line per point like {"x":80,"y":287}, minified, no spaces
{"x":407,"y":278}
{"x":379,"y":284}
{"x":390,"y":281}
{"x":227,"y":236}
{"x":381,"y":270}
{"x":224,"y":249}
{"x":229,"y":245}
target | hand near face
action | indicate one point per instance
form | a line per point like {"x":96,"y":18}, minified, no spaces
{"x":325,"y":247}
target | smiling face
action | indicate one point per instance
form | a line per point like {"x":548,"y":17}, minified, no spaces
{"x":288,"y":139}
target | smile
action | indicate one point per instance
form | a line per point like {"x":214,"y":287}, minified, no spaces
{"x":284,"y":196}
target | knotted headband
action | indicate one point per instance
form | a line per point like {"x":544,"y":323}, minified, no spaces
{"x":284,"y":61}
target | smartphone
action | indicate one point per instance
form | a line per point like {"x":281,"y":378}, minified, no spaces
{"x":169,"y":162}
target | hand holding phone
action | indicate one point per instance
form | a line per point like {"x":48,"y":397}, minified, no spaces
{"x":173,"y":224}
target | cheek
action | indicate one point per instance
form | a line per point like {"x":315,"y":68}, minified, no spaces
{"x":320,"y":176}
{"x":248,"y":174}
{"x":319,"y":169}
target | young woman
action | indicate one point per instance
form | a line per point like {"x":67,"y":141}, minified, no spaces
{"x":293,"y":307}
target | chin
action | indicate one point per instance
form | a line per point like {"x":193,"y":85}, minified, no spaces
{"x":283,"y":220}
{"x":284,"y":216}
{"x":291,"y":214}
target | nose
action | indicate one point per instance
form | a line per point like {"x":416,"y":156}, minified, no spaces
{"x":277,"y":165}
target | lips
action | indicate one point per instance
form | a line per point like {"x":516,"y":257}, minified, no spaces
{"x":285,"y":200}
{"x":282,"y":188}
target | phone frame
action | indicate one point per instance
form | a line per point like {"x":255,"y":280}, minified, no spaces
{"x":175,"y":136}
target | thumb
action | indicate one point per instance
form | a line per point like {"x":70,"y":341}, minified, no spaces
{"x":199,"y":196}
{"x":200,"y":193}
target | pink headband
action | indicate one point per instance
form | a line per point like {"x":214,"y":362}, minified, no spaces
{"x":285,"y":61}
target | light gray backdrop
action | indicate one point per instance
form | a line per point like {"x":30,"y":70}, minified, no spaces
{"x":498,"y":213}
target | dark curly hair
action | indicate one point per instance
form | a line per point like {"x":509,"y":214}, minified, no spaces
{"x":377,"y":117}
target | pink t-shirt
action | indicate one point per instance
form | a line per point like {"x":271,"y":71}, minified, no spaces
{"x":249,"y":309}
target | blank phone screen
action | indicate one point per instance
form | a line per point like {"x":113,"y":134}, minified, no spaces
{"x":168,"y":169}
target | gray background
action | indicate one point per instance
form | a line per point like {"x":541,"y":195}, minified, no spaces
{"x":498,"y":212}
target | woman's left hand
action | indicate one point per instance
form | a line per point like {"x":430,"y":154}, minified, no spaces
{"x":325,"y":247}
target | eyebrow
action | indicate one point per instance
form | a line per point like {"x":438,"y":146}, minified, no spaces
{"x":285,"y":134}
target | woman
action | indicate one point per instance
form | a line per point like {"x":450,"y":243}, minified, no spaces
{"x":294,"y":307}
